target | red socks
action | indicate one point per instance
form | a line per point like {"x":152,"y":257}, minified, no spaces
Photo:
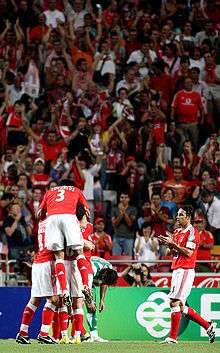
{"x":78,"y":316}
{"x":175,"y":322}
{"x":63,"y":319}
{"x":61,"y":274}
{"x":27,"y":317}
{"x":83,"y":269}
{"x":47,"y":317}
{"x":194,"y":316}
{"x":56,"y":326}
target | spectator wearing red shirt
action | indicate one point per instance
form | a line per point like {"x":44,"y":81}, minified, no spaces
{"x":14,"y":126}
{"x":50,"y":142}
{"x":102,"y":240}
{"x":39,"y":179}
{"x":206,"y":242}
{"x":190,"y":159}
{"x":169,"y":168}
{"x":38,"y":32}
{"x":162,"y":82}
{"x":187,"y":111}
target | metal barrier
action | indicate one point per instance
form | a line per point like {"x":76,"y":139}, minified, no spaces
{"x":11,"y":278}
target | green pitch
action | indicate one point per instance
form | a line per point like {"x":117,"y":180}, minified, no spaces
{"x":10,"y":346}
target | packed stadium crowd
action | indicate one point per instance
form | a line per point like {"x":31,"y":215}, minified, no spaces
{"x":123,"y":99}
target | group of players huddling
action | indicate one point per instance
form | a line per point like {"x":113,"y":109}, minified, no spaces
{"x":64,"y":271}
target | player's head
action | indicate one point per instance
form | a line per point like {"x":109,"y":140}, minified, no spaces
{"x":81,"y":215}
{"x":184,"y":215}
{"x":66,"y":182}
{"x":107,"y":276}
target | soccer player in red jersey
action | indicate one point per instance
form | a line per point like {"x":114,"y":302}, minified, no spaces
{"x":63,"y":230}
{"x":44,"y":285}
{"x":183,"y":244}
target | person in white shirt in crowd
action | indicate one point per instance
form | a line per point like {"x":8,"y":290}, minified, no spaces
{"x":185,"y":39}
{"x":77,"y":11}
{"x":104,"y":59}
{"x":146,"y":246}
{"x":196,"y":59}
{"x":130,"y":82}
{"x":53,"y":16}
{"x":144,"y":57}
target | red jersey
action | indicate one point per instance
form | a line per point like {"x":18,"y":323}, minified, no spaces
{"x":51,"y":151}
{"x":187,"y":238}
{"x":40,"y":180}
{"x":100,"y":243}
{"x":62,"y":200}
{"x":43,"y":254}
{"x":187,"y":106}
{"x":206,"y":238}
{"x":86,"y":233}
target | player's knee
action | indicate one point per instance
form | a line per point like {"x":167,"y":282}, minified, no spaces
{"x":78,"y":252}
{"x":59,"y":254}
{"x":55,"y":300}
{"x":35,"y":301}
{"x":175,"y":304}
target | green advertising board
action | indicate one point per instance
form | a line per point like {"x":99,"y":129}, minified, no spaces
{"x":144,"y":314}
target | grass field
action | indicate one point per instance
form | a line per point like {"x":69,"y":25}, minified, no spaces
{"x":10,"y":346}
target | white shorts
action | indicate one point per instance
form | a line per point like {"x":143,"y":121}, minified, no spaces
{"x":44,"y":282}
{"x":63,"y":230}
{"x":181,"y":284}
{"x":74,"y":280}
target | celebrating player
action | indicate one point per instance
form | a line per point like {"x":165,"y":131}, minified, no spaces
{"x":44,"y":285}
{"x":183,"y":244}
{"x":63,"y":230}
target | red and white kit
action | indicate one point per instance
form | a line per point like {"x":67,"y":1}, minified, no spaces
{"x":74,"y":279}
{"x":62,"y":226}
{"x":183,"y":266}
{"x":44,"y":282}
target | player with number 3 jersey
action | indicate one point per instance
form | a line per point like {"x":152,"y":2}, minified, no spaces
{"x":60,"y":204}
{"x":63,"y":231}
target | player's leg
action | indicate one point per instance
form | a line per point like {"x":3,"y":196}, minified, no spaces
{"x":77,"y":302}
{"x":191,"y":314}
{"x":27,"y":317}
{"x":74,"y":241}
{"x":55,"y":240}
{"x":56,"y":326}
{"x":47,"y":318}
{"x":64,"y":322}
{"x":177,"y":296}
{"x":93,"y":322}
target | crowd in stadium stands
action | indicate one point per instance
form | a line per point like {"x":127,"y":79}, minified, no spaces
{"x":121,"y":97}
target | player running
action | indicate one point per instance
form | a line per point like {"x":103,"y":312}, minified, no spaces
{"x":63,"y":231}
{"x":183,"y":244}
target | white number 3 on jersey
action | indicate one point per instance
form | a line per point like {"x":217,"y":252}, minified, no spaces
{"x":60,"y":195}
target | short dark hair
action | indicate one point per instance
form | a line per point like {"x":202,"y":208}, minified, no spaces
{"x":206,"y":193}
{"x":107,"y":276}
{"x":188,"y":209}
{"x":7,"y":196}
{"x":155,"y":193}
{"x":66,"y":182}
{"x":80,"y":211}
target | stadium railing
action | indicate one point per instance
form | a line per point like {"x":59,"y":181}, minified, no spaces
{"x":8,"y":277}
